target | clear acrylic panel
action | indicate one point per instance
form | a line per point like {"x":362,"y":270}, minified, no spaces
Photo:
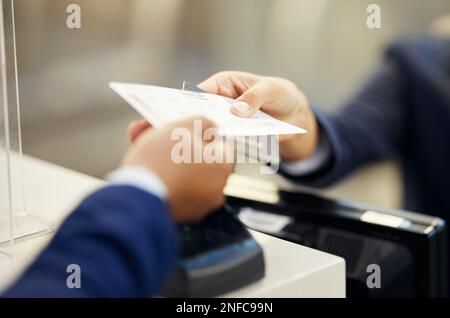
{"x":15,"y":221}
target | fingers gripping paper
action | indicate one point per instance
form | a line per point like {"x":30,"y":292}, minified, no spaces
{"x":160,"y":105}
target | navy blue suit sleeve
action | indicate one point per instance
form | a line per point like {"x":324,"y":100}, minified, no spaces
{"x":121,"y":237}
{"x":369,"y":128}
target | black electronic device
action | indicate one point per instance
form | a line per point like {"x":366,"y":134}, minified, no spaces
{"x":216,"y":256}
{"x":410,"y":248}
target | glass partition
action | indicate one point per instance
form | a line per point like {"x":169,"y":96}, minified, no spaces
{"x":15,"y":221}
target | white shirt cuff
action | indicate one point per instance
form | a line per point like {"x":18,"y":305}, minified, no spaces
{"x":141,"y":178}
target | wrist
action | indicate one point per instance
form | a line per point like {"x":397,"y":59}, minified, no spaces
{"x":301,"y":146}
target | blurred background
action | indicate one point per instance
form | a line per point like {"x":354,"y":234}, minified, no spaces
{"x":71,"y":117}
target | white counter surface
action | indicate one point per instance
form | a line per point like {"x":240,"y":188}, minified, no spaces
{"x":291,"y":270}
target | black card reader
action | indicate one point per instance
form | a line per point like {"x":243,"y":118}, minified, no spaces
{"x":215,"y":257}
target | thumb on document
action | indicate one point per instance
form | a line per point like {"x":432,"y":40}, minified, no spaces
{"x":253,"y":99}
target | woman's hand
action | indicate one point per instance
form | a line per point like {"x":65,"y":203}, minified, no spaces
{"x":275,"y":96}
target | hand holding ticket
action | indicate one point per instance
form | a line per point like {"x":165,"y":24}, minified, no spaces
{"x":161,"y":105}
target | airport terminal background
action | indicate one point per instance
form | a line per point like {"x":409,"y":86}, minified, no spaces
{"x":324,"y":46}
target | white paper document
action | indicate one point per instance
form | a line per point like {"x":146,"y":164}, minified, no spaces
{"x":160,"y":105}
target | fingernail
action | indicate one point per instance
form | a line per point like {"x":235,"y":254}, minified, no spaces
{"x":242,"y":107}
